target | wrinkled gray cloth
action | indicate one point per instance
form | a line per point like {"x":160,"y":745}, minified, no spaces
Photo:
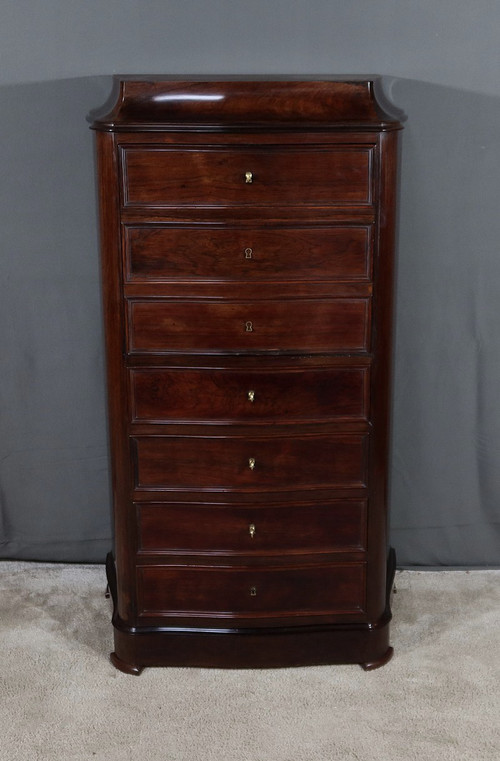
{"x":54,"y":470}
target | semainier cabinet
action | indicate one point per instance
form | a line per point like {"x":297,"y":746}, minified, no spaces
{"x":247,"y":236}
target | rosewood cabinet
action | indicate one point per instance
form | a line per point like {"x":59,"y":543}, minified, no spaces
{"x":247,"y":233}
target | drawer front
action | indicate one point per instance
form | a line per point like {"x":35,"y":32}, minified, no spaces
{"x":252,"y":463}
{"x":170,"y":253}
{"x":341,"y":324}
{"x":336,"y":526}
{"x":286,"y":396}
{"x":160,"y":176}
{"x":211,"y":591}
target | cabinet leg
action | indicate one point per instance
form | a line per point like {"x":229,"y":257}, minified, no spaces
{"x":372,"y":665}
{"x":127,"y":668}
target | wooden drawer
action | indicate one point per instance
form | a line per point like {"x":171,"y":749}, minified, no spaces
{"x":298,"y":253}
{"x":234,"y":529}
{"x":254,"y":463}
{"x":269,"y":175}
{"x":212,"y":591}
{"x":341,"y":324}
{"x":222,"y":395}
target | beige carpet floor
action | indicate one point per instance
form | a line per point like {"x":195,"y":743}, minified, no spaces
{"x":61,"y":700}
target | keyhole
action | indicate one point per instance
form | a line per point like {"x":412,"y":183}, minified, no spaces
{"x":253,"y":591}
{"x":249,"y":326}
{"x":248,"y":253}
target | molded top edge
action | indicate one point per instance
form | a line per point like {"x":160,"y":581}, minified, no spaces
{"x":140,"y":103}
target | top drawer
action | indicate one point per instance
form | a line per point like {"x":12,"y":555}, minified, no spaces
{"x":163,"y":176}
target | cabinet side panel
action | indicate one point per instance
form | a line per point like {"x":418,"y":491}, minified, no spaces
{"x":381,"y":375}
{"x":117,"y":398}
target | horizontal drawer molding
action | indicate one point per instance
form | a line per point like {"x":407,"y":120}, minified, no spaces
{"x":224,"y":395}
{"x":246,"y":290}
{"x":254,"y":463}
{"x":222,"y":592}
{"x":197,"y":325}
{"x":163,"y":176}
{"x":260,"y":529}
{"x":234,"y":253}
{"x":266,"y":362}
{"x":250,"y":217}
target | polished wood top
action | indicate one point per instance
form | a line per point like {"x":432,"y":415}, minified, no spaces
{"x":159,"y":103}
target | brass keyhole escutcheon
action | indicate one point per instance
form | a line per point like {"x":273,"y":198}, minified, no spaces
{"x":251,"y":396}
{"x":248,"y":178}
{"x":251,"y":463}
{"x":253,"y":591}
{"x":251,"y":530}
{"x":248,"y":253}
{"x":249,"y":326}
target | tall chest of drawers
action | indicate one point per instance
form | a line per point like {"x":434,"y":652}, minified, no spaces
{"x":247,"y":234}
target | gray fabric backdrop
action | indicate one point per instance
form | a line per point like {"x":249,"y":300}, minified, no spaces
{"x":441,"y":63}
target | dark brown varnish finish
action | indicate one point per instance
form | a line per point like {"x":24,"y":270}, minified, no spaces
{"x":257,"y":463}
{"x":237,"y":326}
{"x":243,"y":530}
{"x":173,"y":177}
{"x":225,"y":254}
{"x":257,"y":395}
{"x":247,"y":236}
{"x":316,"y":591}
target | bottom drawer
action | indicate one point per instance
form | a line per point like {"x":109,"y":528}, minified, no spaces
{"x":250,"y":592}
